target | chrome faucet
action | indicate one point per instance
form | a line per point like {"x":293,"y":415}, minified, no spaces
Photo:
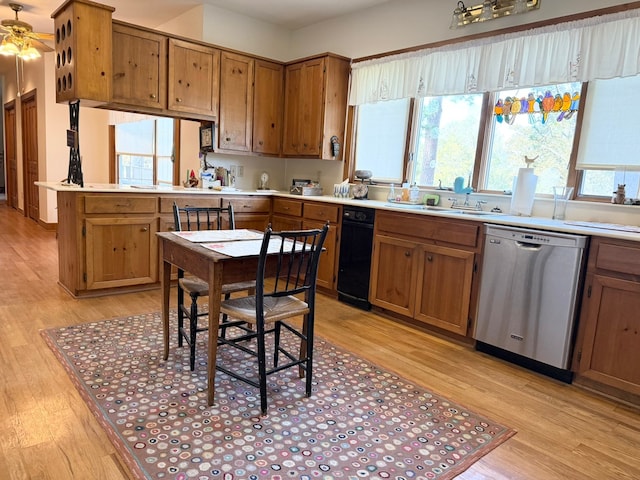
{"x":466,"y":205}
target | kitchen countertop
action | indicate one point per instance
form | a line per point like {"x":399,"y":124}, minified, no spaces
{"x":547,"y":224}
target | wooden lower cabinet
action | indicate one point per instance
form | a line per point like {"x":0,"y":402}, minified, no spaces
{"x":443,"y":297}
{"x":293,"y":214}
{"x":252,"y":212}
{"x":121,"y":251}
{"x":107,"y":241}
{"x":607,"y":352}
{"x":422,"y":274}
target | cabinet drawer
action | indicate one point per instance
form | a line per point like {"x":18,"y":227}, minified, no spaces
{"x":322,"y":211}
{"x":618,"y":258}
{"x":133,"y":204}
{"x":248,"y":204}
{"x":166,"y":203}
{"x":459,"y":233}
{"x":287,"y":207}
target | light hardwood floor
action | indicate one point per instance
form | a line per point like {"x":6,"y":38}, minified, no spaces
{"x":47,"y":432}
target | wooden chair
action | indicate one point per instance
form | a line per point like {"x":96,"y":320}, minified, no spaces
{"x":289,"y":292}
{"x":202,"y":218}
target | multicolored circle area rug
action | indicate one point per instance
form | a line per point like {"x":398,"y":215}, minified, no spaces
{"x":361,"y":422}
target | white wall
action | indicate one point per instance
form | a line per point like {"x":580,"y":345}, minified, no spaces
{"x":388,"y":27}
{"x":408,"y":23}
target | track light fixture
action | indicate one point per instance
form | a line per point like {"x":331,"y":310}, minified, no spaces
{"x":490,"y":9}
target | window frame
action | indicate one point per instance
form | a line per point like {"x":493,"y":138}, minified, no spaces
{"x":574,"y":177}
{"x":113,"y":155}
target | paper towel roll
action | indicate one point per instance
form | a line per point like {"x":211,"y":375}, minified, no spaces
{"x":524,"y":190}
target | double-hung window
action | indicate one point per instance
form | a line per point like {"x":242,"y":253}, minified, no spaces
{"x":144,"y":152}
{"x":483,"y":138}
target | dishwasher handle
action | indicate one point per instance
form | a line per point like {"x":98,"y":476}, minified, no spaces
{"x":528,"y":246}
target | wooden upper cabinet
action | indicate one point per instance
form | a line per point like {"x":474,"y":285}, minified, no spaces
{"x":267,"y":107}
{"x":315,"y":106}
{"x":193,"y":78}
{"x":139,"y":67}
{"x":83,"y":52}
{"x":236,"y":102}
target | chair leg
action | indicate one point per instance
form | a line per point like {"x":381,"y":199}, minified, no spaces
{"x":225,"y":318}
{"x":262,"y":368}
{"x":276,"y":342}
{"x":307,"y":345}
{"x":180,"y":312}
{"x":193,"y":327}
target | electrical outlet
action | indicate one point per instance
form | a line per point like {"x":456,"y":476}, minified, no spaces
{"x":240,"y":170}
{"x":233,"y":170}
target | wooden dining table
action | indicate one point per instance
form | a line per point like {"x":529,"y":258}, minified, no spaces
{"x":214,"y":268}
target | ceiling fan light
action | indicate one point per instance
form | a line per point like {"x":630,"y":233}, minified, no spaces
{"x":29,"y":53}
{"x":8,"y":48}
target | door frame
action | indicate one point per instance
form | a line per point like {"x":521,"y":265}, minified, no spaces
{"x":11,"y":164}
{"x":30,"y":192}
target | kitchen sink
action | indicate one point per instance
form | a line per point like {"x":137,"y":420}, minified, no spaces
{"x":474,"y":212}
{"x":408,"y":206}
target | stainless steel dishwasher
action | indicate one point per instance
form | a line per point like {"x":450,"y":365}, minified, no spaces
{"x":528,"y":296}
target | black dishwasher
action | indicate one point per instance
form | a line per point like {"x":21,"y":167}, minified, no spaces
{"x":356,"y":247}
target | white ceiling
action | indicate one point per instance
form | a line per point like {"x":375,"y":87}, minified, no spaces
{"x":291,"y":14}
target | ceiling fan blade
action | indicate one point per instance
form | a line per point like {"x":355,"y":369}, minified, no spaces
{"x":38,"y":45}
{"x":42,"y":36}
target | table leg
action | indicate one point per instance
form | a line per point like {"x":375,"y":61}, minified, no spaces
{"x":215,"y":295}
{"x":166,"y":291}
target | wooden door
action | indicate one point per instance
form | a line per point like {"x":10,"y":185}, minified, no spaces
{"x":267,"y":107}
{"x":326,"y":267}
{"x":444,"y":288}
{"x":304,"y":84}
{"x":139,"y":67}
{"x":121,"y":251}
{"x":194,"y":72}
{"x":11,"y":162}
{"x":393,"y":274}
{"x":29,"y":111}
{"x":236,"y":102}
{"x":610,"y":348}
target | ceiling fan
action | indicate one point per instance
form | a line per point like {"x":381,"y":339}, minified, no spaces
{"x":20,"y":40}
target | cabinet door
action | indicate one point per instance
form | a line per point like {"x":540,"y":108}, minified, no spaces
{"x":280,"y":222}
{"x":121,"y":251}
{"x":139,"y":67}
{"x":236,"y":102}
{"x":194,"y":72}
{"x":610,"y":350}
{"x":303,"y":108}
{"x":267,"y":107}
{"x":444,"y":287}
{"x":327,"y":266}
{"x":393,"y":274}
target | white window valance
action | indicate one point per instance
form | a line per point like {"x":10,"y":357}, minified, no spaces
{"x":602,"y":47}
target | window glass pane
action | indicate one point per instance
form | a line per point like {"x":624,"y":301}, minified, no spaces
{"x":605,"y":182}
{"x":135,"y":137}
{"x":381,"y":134}
{"x":548,"y":136}
{"x":164,"y":142}
{"x":165,"y":170}
{"x":135,"y":170}
{"x":447,"y":138}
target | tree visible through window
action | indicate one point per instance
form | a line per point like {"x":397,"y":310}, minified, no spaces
{"x":545,"y":132}
{"x":447,"y":138}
